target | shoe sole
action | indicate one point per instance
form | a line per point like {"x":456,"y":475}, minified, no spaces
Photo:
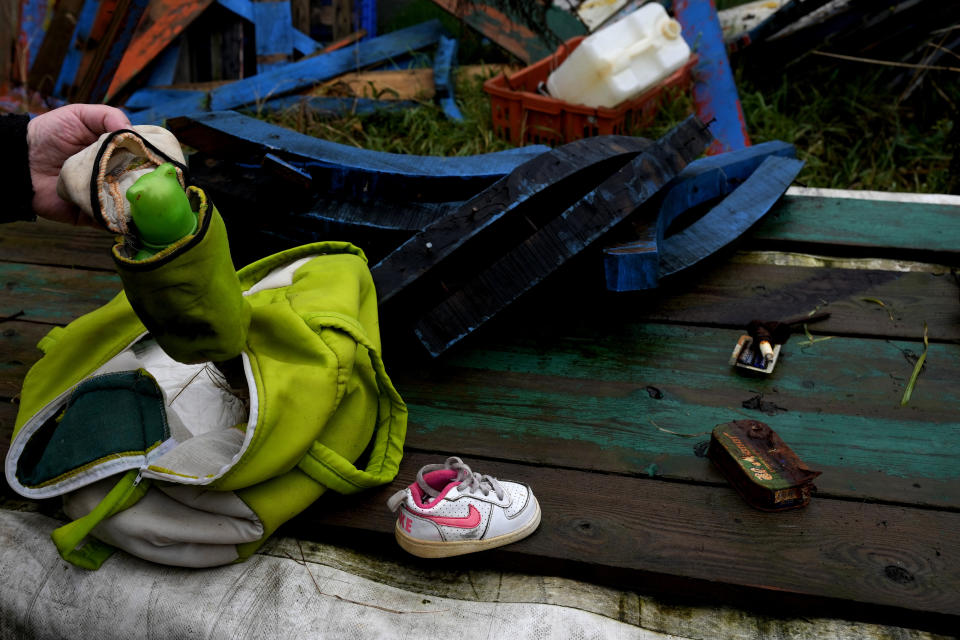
{"x":438,"y":549}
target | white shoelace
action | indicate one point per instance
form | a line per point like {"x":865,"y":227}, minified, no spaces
{"x":470,"y":481}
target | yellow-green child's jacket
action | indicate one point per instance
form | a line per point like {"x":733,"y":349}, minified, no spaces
{"x":189,"y":417}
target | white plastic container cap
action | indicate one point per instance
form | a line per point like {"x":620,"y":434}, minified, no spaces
{"x":621,"y":61}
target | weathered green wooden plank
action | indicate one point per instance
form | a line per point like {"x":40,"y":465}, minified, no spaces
{"x":732,"y":293}
{"x":51,"y":294}
{"x":588,"y":399}
{"x":695,"y":541}
{"x":865,"y":224}
{"x":8,"y":416}
{"x":18,"y":348}
{"x":55,"y":244}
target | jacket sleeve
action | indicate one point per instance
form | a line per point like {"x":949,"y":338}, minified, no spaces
{"x":15,"y":169}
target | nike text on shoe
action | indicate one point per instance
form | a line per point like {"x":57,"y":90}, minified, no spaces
{"x":451,"y":510}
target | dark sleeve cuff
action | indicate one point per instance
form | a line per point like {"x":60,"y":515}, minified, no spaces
{"x":15,"y":169}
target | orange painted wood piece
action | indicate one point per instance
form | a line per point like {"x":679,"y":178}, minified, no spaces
{"x":163,"y":21}
{"x":516,"y":38}
{"x":342,"y":42}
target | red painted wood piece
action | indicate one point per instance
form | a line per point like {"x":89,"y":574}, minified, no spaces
{"x":163,"y":21}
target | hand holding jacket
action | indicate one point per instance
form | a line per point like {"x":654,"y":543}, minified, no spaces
{"x":35,"y":150}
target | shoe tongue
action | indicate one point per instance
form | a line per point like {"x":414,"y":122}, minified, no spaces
{"x":433,"y":482}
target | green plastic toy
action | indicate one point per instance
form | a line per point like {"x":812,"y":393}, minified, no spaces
{"x":160,"y":209}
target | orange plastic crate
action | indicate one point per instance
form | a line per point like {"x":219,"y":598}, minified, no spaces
{"x":522,"y":116}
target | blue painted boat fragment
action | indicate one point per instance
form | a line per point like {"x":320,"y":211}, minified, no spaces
{"x":34,"y":18}
{"x":366,"y":16}
{"x":303,"y":43}
{"x":714,"y":89}
{"x":273,"y":34}
{"x":165,"y":66}
{"x":731,"y":218}
{"x":181,"y":102}
{"x":71,"y":61}
{"x":443,"y":62}
{"x":242,"y":8}
{"x":147,"y":97}
{"x":347,"y":171}
{"x":635,"y":265}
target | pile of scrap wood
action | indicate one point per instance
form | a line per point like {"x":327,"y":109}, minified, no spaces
{"x":452,"y":241}
{"x":165,"y":58}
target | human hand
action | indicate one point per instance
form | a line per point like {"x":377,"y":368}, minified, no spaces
{"x":55,"y":136}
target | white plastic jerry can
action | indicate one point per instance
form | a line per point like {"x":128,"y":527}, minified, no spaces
{"x":621,"y":61}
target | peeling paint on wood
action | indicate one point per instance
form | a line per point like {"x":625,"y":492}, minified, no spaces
{"x":160,"y":26}
{"x":714,"y":89}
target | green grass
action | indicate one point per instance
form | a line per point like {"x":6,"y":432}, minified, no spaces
{"x":853,"y":132}
{"x":420,"y":131}
{"x":849,"y":127}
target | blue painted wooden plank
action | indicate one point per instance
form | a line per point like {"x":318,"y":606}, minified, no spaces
{"x":287,"y":171}
{"x":147,"y":97}
{"x":243,"y":8}
{"x":33,"y":24}
{"x":165,"y":66}
{"x":341,"y":169}
{"x":443,"y":63}
{"x":635,"y":265}
{"x":195,"y":102}
{"x":337,"y":107}
{"x":304,"y":43}
{"x":312,"y":70}
{"x":366,"y":16}
{"x":133,"y":13}
{"x":309,"y":71}
{"x":714,"y":89}
{"x":715,"y":176}
{"x":273,"y":24}
{"x":450,"y":109}
{"x":731,"y":218}
{"x":71,"y":62}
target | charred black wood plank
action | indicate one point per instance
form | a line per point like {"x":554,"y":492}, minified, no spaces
{"x":547,"y":183}
{"x":563,"y":237}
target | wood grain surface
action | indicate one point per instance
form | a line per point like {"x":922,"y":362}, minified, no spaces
{"x":587,"y":395}
{"x":706,"y":540}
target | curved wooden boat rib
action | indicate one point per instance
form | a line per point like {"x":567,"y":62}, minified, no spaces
{"x":559,"y":239}
{"x":339,"y":170}
{"x":636,"y":265}
{"x":545,"y":185}
{"x":731,"y":218}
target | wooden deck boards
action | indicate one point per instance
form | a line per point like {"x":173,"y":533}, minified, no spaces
{"x":587,"y":394}
{"x":698,"y":536}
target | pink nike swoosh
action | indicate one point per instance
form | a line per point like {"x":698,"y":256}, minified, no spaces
{"x":468,"y":522}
